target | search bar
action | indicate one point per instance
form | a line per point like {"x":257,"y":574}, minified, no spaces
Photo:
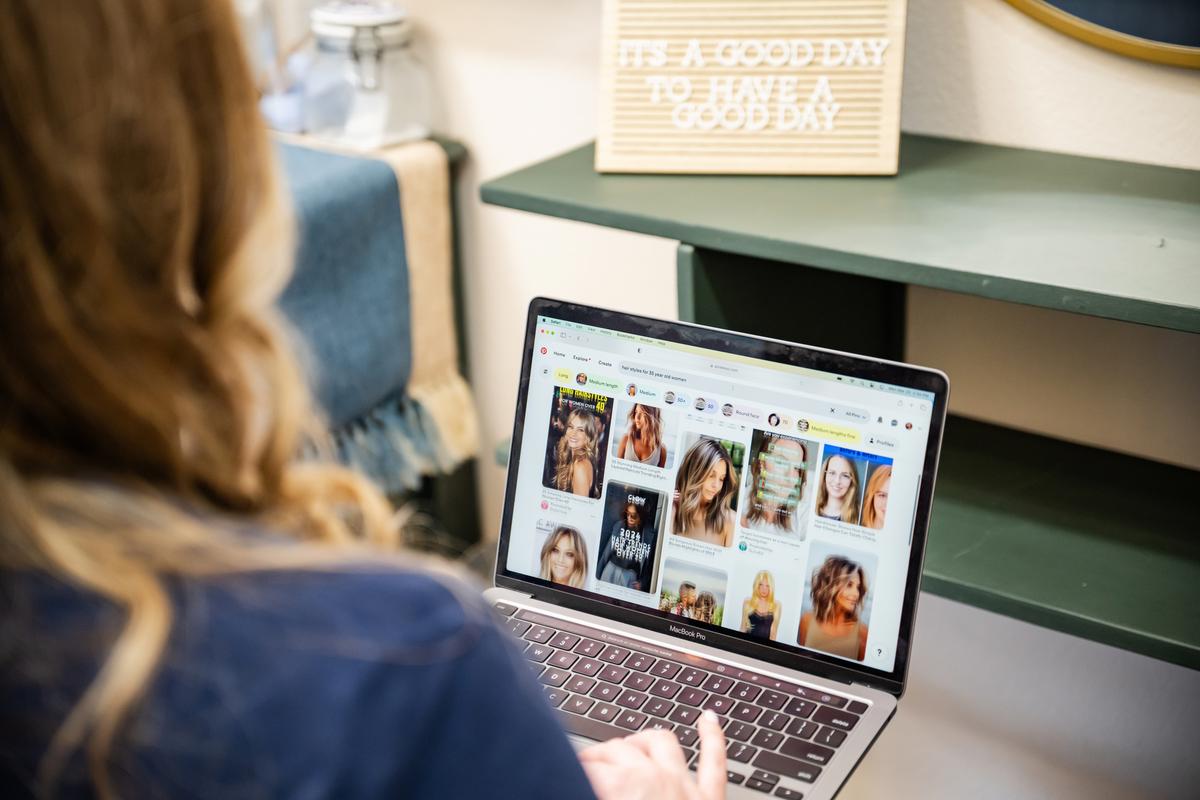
{"x":761,"y":394}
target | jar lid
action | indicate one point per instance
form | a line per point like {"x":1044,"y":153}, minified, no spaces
{"x":337,"y":25}
{"x":358,"y":14}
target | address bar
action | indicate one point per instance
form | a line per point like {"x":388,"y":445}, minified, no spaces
{"x":786,"y":400}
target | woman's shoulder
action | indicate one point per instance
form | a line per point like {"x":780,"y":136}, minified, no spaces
{"x":325,"y":676}
{"x":378,"y":605}
{"x":582,"y":473}
{"x":390,"y":605}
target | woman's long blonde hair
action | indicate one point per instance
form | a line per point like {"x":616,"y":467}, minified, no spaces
{"x":653,"y":429}
{"x":689,"y":482}
{"x":565,"y":460}
{"x":579,"y":573}
{"x":146,"y":389}
{"x":874,"y":484}
{"x":770,"y":579}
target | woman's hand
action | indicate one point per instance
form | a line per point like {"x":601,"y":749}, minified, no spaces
{"x":649,"y":765}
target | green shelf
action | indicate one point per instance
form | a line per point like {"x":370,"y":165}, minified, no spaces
{"x":1103,"y":238}
{"x":1080,"y":540}
{"x":1076,"y":539}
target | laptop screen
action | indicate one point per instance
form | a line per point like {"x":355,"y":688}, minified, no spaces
{"x":773,"y":501}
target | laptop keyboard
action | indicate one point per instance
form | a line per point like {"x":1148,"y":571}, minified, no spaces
{"x":605,"y":686}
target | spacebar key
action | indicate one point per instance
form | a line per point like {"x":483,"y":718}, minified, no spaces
{"x":791,"y":767}
{"x":590,"y":728}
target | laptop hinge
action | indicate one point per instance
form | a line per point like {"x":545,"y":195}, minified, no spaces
{"x":519,"y":593}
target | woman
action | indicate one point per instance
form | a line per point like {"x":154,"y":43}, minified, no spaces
{"x":575,"y":456}
{"x":760,"y":611}
{"x":839,"y":587}
{"x":643,"y":439}
{"x":704,"y":490}
{"x":564,"y":557}
{"x":838,"y":496}
{"x":625,"y":569}
{"x":173,"y":578}
{"x":706,"y":608}
{"x":875,"y":506}
{"x":775,"y":496}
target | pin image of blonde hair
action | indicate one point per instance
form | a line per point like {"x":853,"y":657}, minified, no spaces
{"x":564,"y":458}
{"x":829,"y":580}
{"x":874,"y":485}
{"x":693,"y":471}
{"x":579,"y":571}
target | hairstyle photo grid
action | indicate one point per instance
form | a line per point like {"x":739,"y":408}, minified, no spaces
{"x":840,"y":485}
{"x":779,"y":486}
{"x":575,"y":447}
{"x":837,"y":600}
{"x":643,"y":435}
{"x":693,"y":592}
{"x":563,"y":556}
{"x":879,"y":482}
{"x":706,"y":489}
{"x":761,"y":610}
{"x":629,"y":540}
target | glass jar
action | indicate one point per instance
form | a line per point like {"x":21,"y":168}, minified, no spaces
{"x":366,"y":88}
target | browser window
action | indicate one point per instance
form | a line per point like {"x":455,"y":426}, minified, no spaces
{"x":766,"y":499}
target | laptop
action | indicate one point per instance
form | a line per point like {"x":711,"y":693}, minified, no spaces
{"x":702,"y":519}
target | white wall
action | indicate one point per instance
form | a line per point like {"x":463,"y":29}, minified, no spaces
{"x":997,"y":708}
{"x":980,"y":70}
{"x":518,"y":82}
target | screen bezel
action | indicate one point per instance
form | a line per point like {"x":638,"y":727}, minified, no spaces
{"x":863,"y":367}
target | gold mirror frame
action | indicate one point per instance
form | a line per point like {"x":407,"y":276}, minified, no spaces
{"x":1176,"y":55}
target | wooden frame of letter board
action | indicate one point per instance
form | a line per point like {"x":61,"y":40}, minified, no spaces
{"x":636,"y":135}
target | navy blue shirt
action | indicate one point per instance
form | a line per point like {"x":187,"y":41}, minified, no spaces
{"x":360,"y":683}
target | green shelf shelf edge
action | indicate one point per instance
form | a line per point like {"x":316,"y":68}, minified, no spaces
{"x":1090,"y":236}
{"x":1079,"y":540}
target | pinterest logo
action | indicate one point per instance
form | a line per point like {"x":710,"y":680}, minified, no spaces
{"x":543,"y":351}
